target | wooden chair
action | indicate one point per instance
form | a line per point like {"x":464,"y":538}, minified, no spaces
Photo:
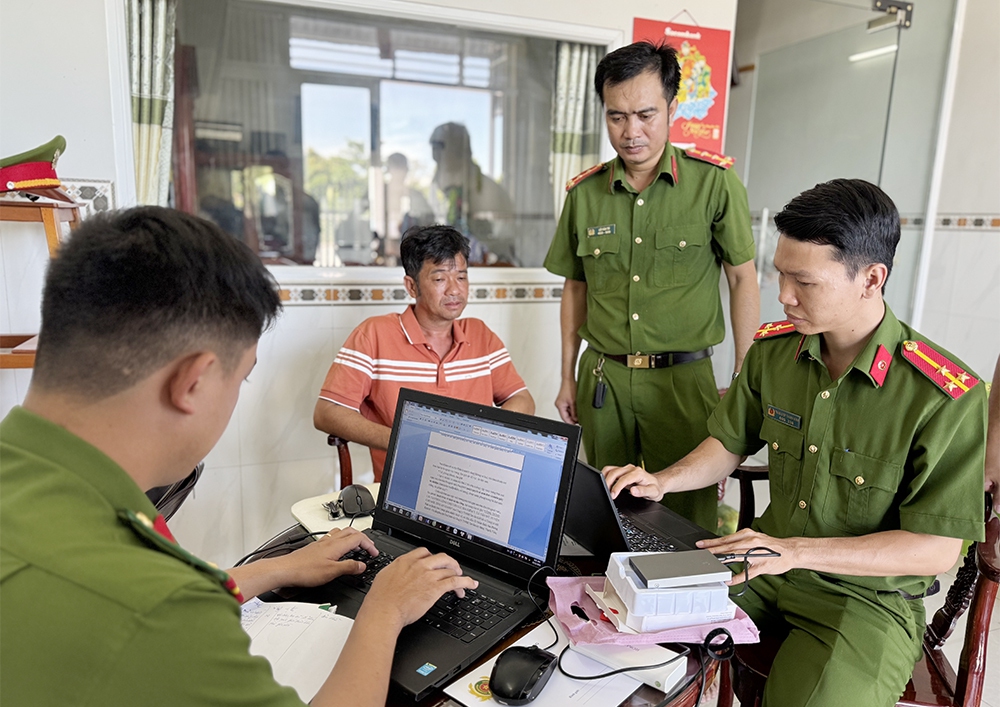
{"x":344,"y":455}
{"x":168,"y":499}
{"x":934,"y":681}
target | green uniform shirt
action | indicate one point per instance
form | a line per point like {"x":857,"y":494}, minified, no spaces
{"x":651,"y":261}
{"x":850,"y":457}
{"x":91,"y":615}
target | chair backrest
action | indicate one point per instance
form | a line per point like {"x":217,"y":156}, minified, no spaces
{"x":168,"y":499}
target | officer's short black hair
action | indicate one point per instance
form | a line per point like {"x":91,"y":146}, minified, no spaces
{"x":439,"y":244}
{"x":132,"y":290}
{"x":854,"y":216}
{"x":628,"y":62}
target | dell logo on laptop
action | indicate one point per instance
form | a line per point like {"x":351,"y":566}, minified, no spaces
{"x":454,"y":542}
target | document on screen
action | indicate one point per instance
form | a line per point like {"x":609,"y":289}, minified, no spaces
{"x":472,"y":485}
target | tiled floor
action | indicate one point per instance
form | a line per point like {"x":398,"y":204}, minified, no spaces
{"x":953,"y":648}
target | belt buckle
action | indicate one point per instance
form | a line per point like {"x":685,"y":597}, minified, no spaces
{"x":638,"y":361}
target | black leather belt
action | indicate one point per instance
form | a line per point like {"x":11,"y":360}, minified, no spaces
{"x":660,"y":360}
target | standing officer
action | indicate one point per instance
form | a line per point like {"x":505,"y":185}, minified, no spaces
{"x":640,"y":242}
{"x":875,"y":442}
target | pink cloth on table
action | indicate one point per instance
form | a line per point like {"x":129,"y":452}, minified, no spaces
{"x":567,"y":591}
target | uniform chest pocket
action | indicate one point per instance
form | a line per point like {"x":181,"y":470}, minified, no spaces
{"x":861,"y":492}
{"x":680,"y":251}
{"x":601,"y":265}
{"x":784,"y":456}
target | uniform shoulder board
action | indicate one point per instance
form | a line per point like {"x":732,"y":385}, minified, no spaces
{"x":944,"y":373}
{"x":584,"y":174}
{"x":158,"y":536}
{"x":711,"y":157}
{"x":772,"y":329}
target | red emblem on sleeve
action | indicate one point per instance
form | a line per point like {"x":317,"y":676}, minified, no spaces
{"x":946,"y":374}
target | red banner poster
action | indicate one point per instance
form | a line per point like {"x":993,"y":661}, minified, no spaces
{"x":703,"y":54}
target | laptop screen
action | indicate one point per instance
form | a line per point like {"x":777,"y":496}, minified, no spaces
{"x":482,"y":481}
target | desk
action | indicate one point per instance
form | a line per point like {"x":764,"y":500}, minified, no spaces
{"x":314,"y":518}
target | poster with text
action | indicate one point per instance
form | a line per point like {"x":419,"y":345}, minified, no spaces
{"x":703,"y":54}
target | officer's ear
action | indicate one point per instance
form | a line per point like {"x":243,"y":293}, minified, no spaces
{"x":874,"y":279}
{"x":672,"y":110}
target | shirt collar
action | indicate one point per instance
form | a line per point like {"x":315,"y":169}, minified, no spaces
{"x":415,"y":335}
{"x":668,"y":170}
{"x":886,"y":334}
{"x":48,"y":441}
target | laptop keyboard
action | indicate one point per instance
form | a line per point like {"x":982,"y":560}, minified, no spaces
{"x":640,"y":541}
{"x":467,"y":618}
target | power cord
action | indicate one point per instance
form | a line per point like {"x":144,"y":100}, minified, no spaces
{"x":744,"y":557}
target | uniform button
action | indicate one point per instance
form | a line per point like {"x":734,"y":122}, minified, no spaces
{"x":859,"y":480}
{"x":682,"y":244}
{"x":597,"y":251}
{"x":640,"y":202}
{"x":635,"y":278}
{"x":635,"y":317}
{"x":813,"y":449}
{"x":802,"y":504}
{"x":638,"y":240}
{"x":774,"y":446}
{"x":825,"y":394}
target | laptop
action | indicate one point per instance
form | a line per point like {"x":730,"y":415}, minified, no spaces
{"x":488,"y":486}
{"x":626,"y":524}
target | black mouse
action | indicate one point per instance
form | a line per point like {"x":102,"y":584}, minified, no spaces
{"x":520,"y":673}
{"x":356,"y":500}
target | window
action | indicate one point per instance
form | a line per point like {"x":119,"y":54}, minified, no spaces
{"x":319,"y":137}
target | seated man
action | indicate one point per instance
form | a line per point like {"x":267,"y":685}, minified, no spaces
{"x":876,"y":440}
{"x":150,"y":322}
{"x":426,"y":347}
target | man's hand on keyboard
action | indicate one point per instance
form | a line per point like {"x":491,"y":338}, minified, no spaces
{"x":410,"y":585}
{"x":632,"y":479}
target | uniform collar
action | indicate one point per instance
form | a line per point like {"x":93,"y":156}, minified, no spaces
{"x":46,"y":440}
{"x":880,"y":346}
{"x":415,"y":335}
{"x":668,"y":170}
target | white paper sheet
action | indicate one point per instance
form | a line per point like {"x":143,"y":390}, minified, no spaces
{"x":560,"y":690}
{"x":301,"y":641}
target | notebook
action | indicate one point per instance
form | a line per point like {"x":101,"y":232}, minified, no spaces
{"x":489,"y":487}
{"x":626,"y":524}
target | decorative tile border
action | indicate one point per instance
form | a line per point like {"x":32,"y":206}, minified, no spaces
{"x":947,"y":222}
{"x":298,"y":295}
{"x":93,"y":195}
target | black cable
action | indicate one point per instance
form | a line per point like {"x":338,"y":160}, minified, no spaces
{"x":744,"y":557}
{"x":618,"y":671}
{"x":540,"y":609}
{"x":284,"y":544}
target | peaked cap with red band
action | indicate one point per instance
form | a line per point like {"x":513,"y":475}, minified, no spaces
{"x":944,"y":373}
{"x":33,"y":169}
{"x":157,"y":535}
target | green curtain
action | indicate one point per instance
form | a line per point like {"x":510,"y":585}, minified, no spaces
{"x":151,"y":25}
{"x":576,"y":116}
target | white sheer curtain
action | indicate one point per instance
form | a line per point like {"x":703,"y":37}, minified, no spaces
{"x":576,"y":116}
{"x":151,"y":25}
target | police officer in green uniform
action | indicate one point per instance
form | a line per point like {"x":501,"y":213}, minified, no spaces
{"x":641,"y":242}
{"x":150,"y":321}
{"x":876,"y":444}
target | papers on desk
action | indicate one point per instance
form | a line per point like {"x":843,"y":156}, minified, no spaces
{"x":301,"y":641}
{"x":471,"y":690}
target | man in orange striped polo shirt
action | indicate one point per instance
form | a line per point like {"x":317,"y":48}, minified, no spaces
{"x":426,"y":347}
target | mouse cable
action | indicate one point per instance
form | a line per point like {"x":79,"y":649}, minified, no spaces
{"x":683,"y":654}
{"x":538,"y":606}
{"x":265,"y":550}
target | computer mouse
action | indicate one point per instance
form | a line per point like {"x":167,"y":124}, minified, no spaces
{"x":356,"y":500}
{"x":520,"y":673}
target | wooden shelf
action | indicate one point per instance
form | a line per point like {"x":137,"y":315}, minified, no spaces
{"x":18,"y":350}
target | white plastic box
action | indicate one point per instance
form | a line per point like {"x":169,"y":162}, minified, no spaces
{"x":698,"y":599}
{"x":615,"y":611}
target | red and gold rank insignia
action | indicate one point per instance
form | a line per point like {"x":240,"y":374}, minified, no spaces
{"x":948,"y":376}
{"x":710,"y":157}
{"x":769,"y":329}
{"x":880,"y":366}
{"x":584,"y":174}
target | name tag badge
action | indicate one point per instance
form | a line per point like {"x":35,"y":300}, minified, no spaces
{"x":785,"y":417}
{"x":608,"y":230}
